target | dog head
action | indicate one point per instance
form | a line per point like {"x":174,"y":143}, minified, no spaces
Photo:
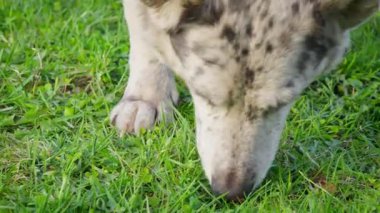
{"x":244,"y":71}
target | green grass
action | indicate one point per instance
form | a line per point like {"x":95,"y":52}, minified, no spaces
{"x":62,"y":68}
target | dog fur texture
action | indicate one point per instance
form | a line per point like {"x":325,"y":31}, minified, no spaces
{"x":244,"y":62}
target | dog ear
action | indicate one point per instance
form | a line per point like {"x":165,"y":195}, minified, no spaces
{"x":350,"y":13}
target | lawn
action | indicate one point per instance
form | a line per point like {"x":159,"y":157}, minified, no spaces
{"x":62,"y":69}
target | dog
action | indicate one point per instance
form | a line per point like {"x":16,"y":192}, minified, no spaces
{"x":244,"y":62}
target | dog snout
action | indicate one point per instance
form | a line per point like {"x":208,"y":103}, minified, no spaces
{"x":233,"y":185}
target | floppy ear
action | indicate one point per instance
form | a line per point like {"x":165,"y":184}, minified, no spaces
{"x":351,"y":13}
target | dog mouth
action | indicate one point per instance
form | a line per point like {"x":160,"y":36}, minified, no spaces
{"x":234,"y":185}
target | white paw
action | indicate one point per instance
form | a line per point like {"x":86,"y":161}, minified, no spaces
{"x":130,"y":116}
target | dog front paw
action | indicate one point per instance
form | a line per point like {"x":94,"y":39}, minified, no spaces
{"x":132,"y":115}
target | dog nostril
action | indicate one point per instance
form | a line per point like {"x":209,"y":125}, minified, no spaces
{"x":233,"y":194}
{"x":233,"y":191}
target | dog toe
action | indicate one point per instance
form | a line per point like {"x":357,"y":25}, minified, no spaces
{"x":132,"y":116}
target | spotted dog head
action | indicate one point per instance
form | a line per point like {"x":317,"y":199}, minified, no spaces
{"x":245,"y":62}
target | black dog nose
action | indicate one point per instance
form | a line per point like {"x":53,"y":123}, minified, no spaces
{"x":233,"y":187}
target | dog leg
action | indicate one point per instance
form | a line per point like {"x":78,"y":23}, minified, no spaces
{"x":151,"y":91}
